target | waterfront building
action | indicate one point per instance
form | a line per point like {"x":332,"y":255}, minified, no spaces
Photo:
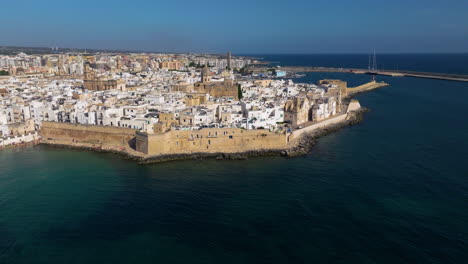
{"x":280,"y":73}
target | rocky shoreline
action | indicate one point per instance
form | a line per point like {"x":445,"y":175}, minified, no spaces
{"x":300,"y":146}
{"x":304,"y":144}
{"x":123,"y":154}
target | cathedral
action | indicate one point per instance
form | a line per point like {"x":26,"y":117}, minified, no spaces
{"x":94,"y":83}
{"x":226,"y":88}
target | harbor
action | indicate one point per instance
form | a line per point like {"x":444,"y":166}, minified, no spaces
{"x":392,"y":73}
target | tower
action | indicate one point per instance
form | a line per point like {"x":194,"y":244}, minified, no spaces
{"x":205,"y":75}
{"x":11,"y":70}
{"x":119,"y":63}
{"x":88,"y":72}
{"x":229,"y":60}
{"x":60,"y":65}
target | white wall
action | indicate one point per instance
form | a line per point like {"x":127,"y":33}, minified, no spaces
{"x":8,"y":141}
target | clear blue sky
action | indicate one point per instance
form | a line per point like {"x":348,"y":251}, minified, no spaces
{"x":254,"y":26}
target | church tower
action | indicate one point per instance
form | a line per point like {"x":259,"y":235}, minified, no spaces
{"x":205,"y":75}
{"x":88,"y":72}
{"x":119,"y":63}
{"x":60,"y":65}
{"x":12,"y":70}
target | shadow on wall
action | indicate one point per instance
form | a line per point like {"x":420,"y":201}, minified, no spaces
{"x":132,"y":143}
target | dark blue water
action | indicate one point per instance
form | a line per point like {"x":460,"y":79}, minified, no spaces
{"x":440,"y":63}
{"x":392,"y":189}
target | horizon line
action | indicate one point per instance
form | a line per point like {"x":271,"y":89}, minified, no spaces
{"x":240,"y":53}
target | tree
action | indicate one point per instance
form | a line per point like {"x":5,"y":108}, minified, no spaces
{"x":3,"y":73}
{"x":239,"y":91}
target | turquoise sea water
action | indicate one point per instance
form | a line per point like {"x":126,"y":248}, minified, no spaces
{"x":392,"y":189}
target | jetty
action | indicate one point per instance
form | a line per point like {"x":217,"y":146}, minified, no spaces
{"x":392,"y":73}
{"x":365,"y":87}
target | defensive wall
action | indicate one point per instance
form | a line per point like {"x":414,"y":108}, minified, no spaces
{"x":353,"y":106}
{"x":174,"y":142}
{"x":211,"y":140}
{"x":75,"y":133}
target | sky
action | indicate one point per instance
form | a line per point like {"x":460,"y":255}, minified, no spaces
{"x":242,"y":26}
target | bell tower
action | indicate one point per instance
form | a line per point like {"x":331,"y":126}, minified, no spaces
{"x":89,"y":73}
{"x":205,"y":75}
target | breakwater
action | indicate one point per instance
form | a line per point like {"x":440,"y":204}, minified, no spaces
{"x":365,"y":87}
{"x":426,"y":75}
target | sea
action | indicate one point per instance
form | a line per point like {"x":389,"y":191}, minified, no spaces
{"x":391,"y":189}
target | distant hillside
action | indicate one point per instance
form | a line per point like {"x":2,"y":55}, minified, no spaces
{"x":12,"y":50}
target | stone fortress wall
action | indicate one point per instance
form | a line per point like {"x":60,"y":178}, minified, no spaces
{"x":212,"y":140}
{"x":353,"y":106}
{"x":209,"y":140}
{"x":70,"y":133}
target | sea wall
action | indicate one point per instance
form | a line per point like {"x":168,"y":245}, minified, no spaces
{"x":366,"y":87}
{"x":353,"y":106}
{"x":189,"y":144}
{"x":18,"y":139}
{"x":211,"y":140}
{"x":100,"y":135}
{"x":309,"y":129}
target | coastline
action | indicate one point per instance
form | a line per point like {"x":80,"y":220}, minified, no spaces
{"x":298,"y":147}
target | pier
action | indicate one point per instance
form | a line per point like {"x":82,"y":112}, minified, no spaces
{"x":426,"y":75}
{"x":365,"y":87}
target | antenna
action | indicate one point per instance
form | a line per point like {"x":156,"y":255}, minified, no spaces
{"x":374,"y":66}
{"x":368,"y":65}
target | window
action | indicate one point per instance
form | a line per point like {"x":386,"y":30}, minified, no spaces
{"x":230,"y":137}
